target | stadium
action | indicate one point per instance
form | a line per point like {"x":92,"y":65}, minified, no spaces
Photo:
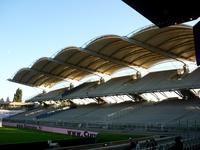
{"x":113,"y":87}
{"x":131,"y":110}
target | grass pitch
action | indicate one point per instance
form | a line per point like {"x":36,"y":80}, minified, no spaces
{"x":107,"y":137}
{"x":16,"y":135}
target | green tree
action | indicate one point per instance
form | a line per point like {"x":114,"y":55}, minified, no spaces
{"x":18,"y":96}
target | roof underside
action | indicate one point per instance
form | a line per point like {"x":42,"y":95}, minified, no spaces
{"x":109,"y":53}
{"x":166,"y":13}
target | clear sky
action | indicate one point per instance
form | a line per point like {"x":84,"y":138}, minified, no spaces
{"x":31,"y":29}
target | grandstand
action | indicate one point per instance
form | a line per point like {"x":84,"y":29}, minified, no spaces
{"x":101,"y":58}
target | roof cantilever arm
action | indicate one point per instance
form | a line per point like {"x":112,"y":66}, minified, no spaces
{"x":113,"y":60}
{"x":153,"y":48}
{"x":49,"y":75}
{"x":76,"y":67}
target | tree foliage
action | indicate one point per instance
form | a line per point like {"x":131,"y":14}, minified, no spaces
{"x":18,"y":96}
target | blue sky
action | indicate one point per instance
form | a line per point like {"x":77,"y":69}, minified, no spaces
{"x":31,"y":29}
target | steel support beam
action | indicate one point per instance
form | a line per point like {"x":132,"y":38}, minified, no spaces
{"x":107,"y":58}
{"x":76,"y":67}
{"x":48,"y":74}
{"x":153,"y":48}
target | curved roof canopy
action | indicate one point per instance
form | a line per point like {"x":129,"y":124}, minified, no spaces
{"x":109,"y":53}
{"x":147,"y":47}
